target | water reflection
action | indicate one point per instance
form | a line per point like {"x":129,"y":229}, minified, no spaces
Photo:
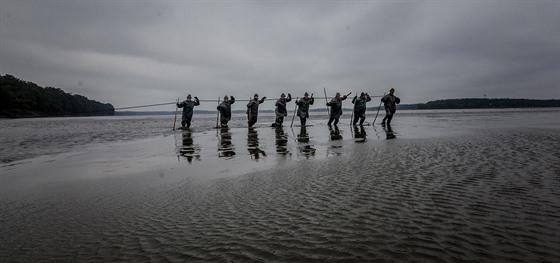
{"x":359,"y":134}
{"x":253,"y":144}
{"x":226,"y":148}
{"x":335,"y":134}
{"x":188,"y":149}
{"x":303,"y":138}
{"x":389,"y":132}
{"x":281,"y":141}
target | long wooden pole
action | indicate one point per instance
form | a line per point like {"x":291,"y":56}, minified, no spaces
{"x":352,"y":108}
{"x":218,"y":113}
{"x":295,"y":109}
{"x":352,"y":115}
{"x":327,"y":101}
{"x":378,"y":108}
{"x":249,"y":113}
{"x":175,"y":119}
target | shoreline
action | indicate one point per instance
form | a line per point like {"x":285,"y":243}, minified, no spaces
{"x":28,"y":138}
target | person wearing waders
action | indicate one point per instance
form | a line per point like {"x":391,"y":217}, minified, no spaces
{"x":336,"y":108}
{"x":281,"y":110}
{"x":188,"y":109}
{"x":360,"y":108}
{"x":253,"y":109}
{"x":390,"y":103}
{"x":303,"y":108}
{"x":225,"y":110}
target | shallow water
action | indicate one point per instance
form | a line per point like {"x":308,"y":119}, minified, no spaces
{"x":444,"y":186}
{"x":27,"y":138}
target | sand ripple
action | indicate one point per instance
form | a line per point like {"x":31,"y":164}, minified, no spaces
{"x":482,"y":199}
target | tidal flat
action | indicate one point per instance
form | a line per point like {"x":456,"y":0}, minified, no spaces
{"x":439,"y":186}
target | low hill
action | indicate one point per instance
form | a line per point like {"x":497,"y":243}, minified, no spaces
{"x":20,"y":99}
{"x":481,"y":103}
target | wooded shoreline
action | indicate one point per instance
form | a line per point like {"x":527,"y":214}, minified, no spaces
{"x":23,"y":99}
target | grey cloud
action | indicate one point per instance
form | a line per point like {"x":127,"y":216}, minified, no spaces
{"x":132,"y":53}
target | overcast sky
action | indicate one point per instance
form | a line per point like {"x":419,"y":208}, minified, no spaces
{"x":130,"y":53}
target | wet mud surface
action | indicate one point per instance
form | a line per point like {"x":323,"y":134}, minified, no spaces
{"x":487,"y":195}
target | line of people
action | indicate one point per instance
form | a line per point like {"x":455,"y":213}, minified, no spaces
{"x":227,"y":148}
{"x":303,"y":104}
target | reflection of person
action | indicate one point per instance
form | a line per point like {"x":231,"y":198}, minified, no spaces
{"x":335,"y":133}
{"x":360,"y":108}
{"x":281,"y":110}
{"x":389,"y":132}
{"x":303,"y":138}
{"x":281,"y":141}
{"x":189,"y":150}
{"x":303,"y":108}
{"x":253,"y":144}
{"x":359,"y":134}
{"x":225,"y":110}
{"x":336,"y":108}
{"x":225,"y":148}
{"x":253,"y":109}
{"x":390,"y":103}
{"x":188,"y":108}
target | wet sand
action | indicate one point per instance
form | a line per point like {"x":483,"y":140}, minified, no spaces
{"x":479,"y":194}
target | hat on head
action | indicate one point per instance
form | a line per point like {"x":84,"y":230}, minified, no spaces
{"x":392,"y":89}
{"x":363,"y":94}
{"x":256,"y":95}
{"x":282,"y":95}
{"x":226,"y":97}
{"x":306,"y":94}
{"x":188,"y":96}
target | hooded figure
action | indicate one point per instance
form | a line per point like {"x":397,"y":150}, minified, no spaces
{"x":188,"y":109}
{"x":225,"y":110}
{"x":253,"y":109}
{"x":336,"y":108}
{"x":390,"y":103}
{"x":281,"y":110}
{"x":360,"y":108}
{"x":303,"y":108}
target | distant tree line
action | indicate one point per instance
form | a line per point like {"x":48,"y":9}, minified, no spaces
{"x":474,"y":103}
{"x":20,"y":98}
